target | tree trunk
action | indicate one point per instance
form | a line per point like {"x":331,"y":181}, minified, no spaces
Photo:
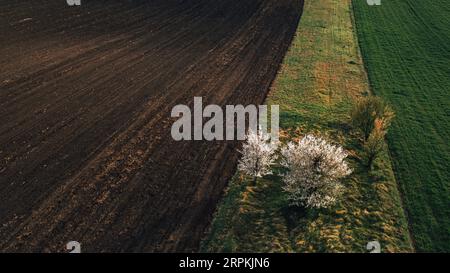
{"x":254,"y":180}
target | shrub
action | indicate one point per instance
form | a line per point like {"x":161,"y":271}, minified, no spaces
{"x":375,"y":142}
{"x":366,"y":111}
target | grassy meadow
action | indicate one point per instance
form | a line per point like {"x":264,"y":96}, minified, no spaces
{"x":320,"y":80}
{"x":406,"y":50}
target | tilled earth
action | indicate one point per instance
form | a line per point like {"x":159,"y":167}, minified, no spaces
{"x":86,"y":94}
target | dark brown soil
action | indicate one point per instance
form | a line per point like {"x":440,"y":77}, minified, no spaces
{"x":86,"y":95}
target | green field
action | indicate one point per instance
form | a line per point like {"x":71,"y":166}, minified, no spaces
{"x":321,"y":78}
{"x":406,"y":50}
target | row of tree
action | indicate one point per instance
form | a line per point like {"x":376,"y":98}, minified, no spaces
{"x":313,"y":167}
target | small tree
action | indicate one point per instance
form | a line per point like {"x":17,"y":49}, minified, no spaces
{"x":375,"y":142}
{"x":366,"y":111}
{"x":314,"y":172}
{"x":258,"y":155}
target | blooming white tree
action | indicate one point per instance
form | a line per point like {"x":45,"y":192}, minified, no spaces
{"x":258,"y":154}
{"x":315,"y":169}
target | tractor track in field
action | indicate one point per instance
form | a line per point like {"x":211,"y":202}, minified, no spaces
{"x":86,"y":94}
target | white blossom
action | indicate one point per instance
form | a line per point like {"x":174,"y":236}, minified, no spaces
{"x":258,"y":154}
{"x":314,"y":172}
